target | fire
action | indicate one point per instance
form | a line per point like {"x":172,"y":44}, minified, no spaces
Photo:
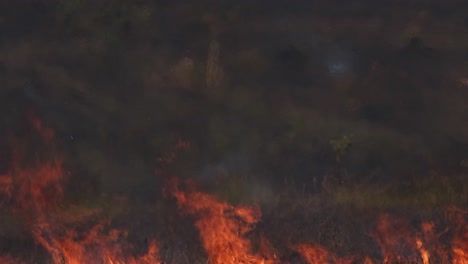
{"x":36,"y":194}
{"x":424,"y":253}
{"x":224,"y":232}
{"x":223,"y":227}
{"x":460,"y":241}
{"x":96,"y":246}
{"x":33,"y":189}
{"x":318,"y":254}
{"x":393,"y":236}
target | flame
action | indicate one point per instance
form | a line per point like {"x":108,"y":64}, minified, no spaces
{"x":223,"y":227}
{"x":94,"y":247}
{"x":460,"y":240}
{"x":393,"y":236}
{"x":424,"y":253}
{"x":317,"y":254}
{"x":34,"y":191}
{"x":367,"y":260}
{"x":223,"y":230}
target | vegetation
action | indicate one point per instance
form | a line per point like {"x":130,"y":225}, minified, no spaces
{"x":329,"y":103}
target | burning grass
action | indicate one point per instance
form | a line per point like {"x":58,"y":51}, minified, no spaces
{"x":223,"y":227}
{"x":227,"y":233}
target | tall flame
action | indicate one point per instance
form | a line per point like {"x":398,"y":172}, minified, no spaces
{"x":35,"y":193}
{"x":223,"y":227}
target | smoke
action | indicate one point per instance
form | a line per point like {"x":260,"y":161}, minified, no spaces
{"x":234,"y":177}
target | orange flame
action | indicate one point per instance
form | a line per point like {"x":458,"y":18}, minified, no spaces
{"x":226,"y":231}
{"x":317,"y":254}
{"x":95,"y":247}
{"x":424,"y":253}
{"x":34,"y":191}
{"x":460,"y":240}
{"x":223,"y":227}
{"x":393,"y":236}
